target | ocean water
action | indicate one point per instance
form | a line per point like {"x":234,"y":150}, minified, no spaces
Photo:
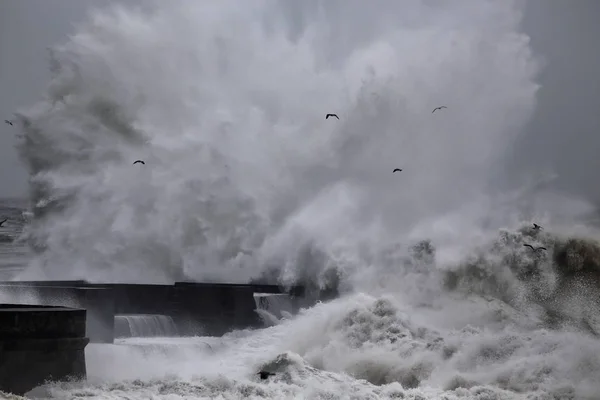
{"x":246,"y":180}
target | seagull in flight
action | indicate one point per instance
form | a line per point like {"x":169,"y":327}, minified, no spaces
{"x":438,"y":108}
{"x":331,"y":115}
{"x":139,"y":161}
{"x":396,"y":170}
{"x":535,"y":248}
{"x":8,"y":122}
{"x":536,"y":227}
{"x":3,"y":221}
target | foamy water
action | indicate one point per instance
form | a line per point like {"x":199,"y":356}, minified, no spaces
{"x":245,"y":179}
{"x":357,"y":347}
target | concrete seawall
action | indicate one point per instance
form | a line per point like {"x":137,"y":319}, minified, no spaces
{"x":196,"y":308}
{"x":99,"y":302}
{"x":40,"y":343}
{"x":213,"y":310}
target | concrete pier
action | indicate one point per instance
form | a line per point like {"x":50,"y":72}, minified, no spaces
{"x":98,"y":301}
{"x":40,"y":343}
{"x":197,"y":308}
{"x":213,"y":310}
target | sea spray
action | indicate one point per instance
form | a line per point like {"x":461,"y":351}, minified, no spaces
{"x":243,"y":174}
{"x":245,"y":179}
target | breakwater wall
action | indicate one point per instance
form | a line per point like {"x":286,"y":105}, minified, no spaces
{"x":196,"y":308}
{"x":40,"y":343}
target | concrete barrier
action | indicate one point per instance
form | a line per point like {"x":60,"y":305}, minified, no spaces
{"x":98,"y":301}
{"x":39,"y":344}
{"x":256,"y":287}
{"x":74,"y":283}
{"x":197,"y":308}
{"x":213,"y":310}
{"x":296,"y":291}
{"x":140,"y":298}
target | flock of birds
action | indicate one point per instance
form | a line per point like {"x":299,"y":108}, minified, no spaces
{"x":536,"y":228}
{"x":327,"y":116}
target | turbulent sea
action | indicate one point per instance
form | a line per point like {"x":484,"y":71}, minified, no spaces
{"x":246,"y":180}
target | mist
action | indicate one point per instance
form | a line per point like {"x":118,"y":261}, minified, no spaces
{"x":245,"y":180}
{"x":562,"y":135}
{"x":194,"y":88}
{"x":189,"y":95}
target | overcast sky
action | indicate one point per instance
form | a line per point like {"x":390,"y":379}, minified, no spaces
{"x":565,"y":130}
{"x":564,"y":133}
{"x":27,"y":28}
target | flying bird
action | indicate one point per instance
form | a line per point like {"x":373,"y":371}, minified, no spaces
{"x":536,"y":227}
{"x":396,"y":170}
{"x":331,"y":115}
{"x":8,"y":122}
{"x":438,"y":108}
{"x":2,"y":222}
{"x":209,"y":346}
{"x":534,"y":248}
{"x":139,"y":161}
{"x":265,"y":374}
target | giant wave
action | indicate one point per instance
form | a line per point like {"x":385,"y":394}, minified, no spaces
{"x":246,"y":180}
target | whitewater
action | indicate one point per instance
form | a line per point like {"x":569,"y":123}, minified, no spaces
{"x":245,"y":180}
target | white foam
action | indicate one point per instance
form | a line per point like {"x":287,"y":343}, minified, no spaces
{"x":242,"y":170}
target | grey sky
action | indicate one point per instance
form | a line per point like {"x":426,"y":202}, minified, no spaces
{"x":565,"y":130}
{"x":27,"y":28}
{"x":564,"y":134}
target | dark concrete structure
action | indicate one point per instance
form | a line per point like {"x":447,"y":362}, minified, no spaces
{"x":40,"y":343}
{"x":98,"y":301}
{"x":197,"y":308}
{"x":213,"y":310}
